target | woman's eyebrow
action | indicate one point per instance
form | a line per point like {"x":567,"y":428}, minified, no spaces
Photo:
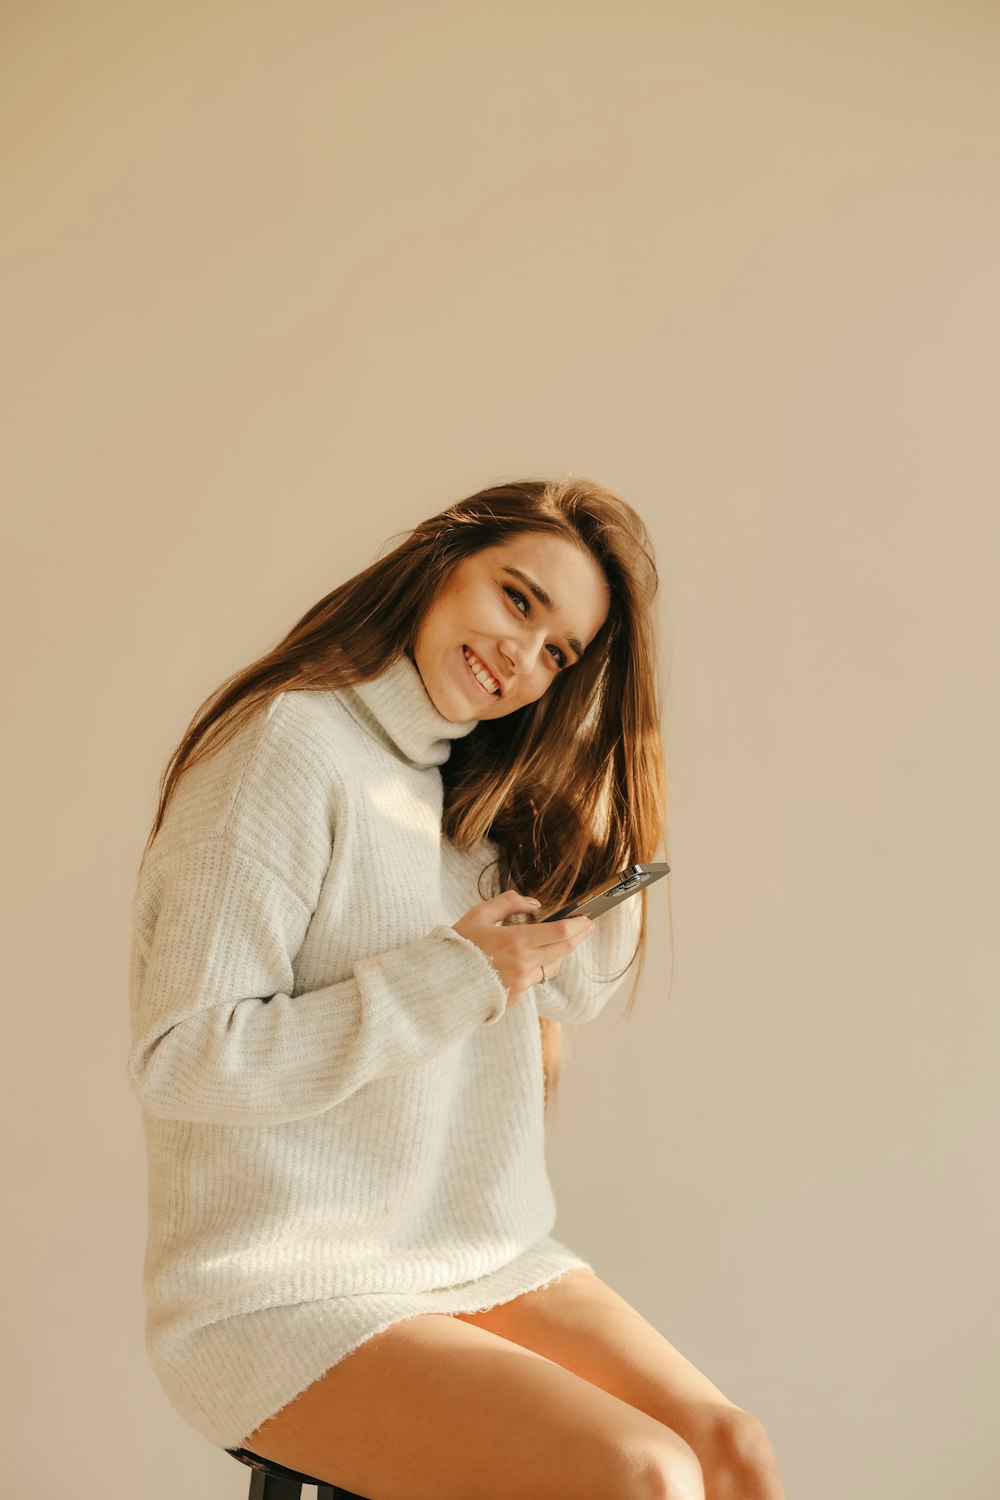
{"x":544,"y":599}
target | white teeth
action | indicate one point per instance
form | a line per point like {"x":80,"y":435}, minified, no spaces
{"x":480,"y":672}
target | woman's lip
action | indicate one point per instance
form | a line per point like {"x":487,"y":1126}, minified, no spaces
{"x":489,"y":693}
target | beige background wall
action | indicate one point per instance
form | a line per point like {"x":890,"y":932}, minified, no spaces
{"x":281,"y":279}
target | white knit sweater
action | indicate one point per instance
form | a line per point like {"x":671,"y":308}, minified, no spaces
{"x":343,"y":1117}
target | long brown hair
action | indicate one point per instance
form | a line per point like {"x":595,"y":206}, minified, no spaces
{"x":570,"y":788}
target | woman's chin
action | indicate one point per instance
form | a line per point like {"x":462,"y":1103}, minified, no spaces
{"x":452,"y":700}
{"x":456,"y":707}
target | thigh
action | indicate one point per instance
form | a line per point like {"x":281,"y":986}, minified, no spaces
{"x":434,"y":1408}
{"x":583,"y":1325}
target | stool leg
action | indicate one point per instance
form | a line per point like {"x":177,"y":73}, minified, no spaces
{"x":271,"y":1487}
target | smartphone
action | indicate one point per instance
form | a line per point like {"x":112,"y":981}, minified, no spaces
{"x":608,"y":894}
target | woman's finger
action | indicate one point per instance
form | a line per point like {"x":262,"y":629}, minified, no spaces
{"x":563,"y":937}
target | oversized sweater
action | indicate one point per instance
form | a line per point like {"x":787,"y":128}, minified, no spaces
{"x":343,"y":1116}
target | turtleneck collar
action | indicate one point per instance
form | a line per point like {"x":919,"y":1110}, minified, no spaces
{"x":396,"y":708}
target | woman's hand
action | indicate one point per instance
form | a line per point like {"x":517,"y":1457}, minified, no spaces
{"x":518,"y":952}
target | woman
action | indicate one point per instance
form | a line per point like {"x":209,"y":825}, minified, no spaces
{"x":345,"y":1026}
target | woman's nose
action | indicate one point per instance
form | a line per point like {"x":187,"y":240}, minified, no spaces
{"x":520,"y":655}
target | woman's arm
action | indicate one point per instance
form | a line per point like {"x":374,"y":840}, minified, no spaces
{"x":217,"y":1034}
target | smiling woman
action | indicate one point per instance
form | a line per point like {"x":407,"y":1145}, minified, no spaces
{"x":344,"y":1047}
{"x":486,"y":638}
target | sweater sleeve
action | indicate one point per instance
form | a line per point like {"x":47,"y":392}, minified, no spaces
{"x":587,"y":976}
{"x":218,"y":1034}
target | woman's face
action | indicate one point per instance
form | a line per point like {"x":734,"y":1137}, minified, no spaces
{"x":506,"y":622}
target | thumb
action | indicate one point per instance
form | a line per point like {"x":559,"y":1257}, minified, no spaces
{"x":506,"y":904}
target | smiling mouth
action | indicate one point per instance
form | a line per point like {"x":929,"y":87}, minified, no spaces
{"x":482,"y":674}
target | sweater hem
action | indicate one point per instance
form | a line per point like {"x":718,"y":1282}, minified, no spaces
{"x":228,"y":1378}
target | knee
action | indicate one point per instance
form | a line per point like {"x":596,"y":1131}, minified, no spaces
{"x":672,"y":1472}
{"x":741,"y":1454}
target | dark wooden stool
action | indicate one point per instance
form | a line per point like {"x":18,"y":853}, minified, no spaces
{"x":271,"y":1481}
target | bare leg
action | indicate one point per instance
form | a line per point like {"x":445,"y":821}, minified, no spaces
{"x":436,"y":1409}
{"x":584,"y":1325}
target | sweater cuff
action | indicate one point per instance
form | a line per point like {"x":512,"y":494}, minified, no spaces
{"x":490,"y":988}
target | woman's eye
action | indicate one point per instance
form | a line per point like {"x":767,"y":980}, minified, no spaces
{"x":518,"y":598}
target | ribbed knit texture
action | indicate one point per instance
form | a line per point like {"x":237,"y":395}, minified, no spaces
{"x":343,"y":1117}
